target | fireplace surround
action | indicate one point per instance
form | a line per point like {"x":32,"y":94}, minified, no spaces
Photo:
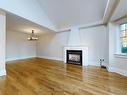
{"x":77,"y":55}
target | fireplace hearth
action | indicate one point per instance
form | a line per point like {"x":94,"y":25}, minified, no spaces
{"x":74,"y":57}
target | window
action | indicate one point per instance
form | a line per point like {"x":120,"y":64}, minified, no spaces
{"x":123,"y":32}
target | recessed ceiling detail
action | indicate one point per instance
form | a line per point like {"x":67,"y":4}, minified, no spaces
{"x":66,"y":13}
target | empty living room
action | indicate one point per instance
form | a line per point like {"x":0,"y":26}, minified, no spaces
{"x":63,"y":47}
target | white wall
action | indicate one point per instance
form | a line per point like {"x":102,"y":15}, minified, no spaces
{"x":96,"y":38}
{"x":2,"y":42}
{"x":117,"y":60}
{"x":74,"y":37}
{"x":112,"y":42}
{"x":120,"y":65}
{"x":29,"y":9}
{"x":51,"y":45}
{"x":18,"y":47}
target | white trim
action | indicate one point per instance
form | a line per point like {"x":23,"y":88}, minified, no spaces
{"x":84,"y":53}
{"x":98,"y":23}
{"x":109,"y":10}
{"x":93,"y":63}
{"x":106,"y":10}
{"x":121,"y":20}
{"x":12,"y":59}
{"x":117,"y":70}
{"x":120,"y":55}
{"x":52,"y":58}
{"x":2,"y":72}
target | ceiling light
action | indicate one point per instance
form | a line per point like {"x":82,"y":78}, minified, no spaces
{"x":32,"y":37}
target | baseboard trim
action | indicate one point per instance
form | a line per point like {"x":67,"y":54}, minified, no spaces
{"x":52,"y":58}
{"x":2,"y":72}
{"x":14,"y":59}
{"x":117,"y":70}
{"x":93,"y":63}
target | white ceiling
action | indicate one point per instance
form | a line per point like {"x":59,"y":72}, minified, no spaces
{"x":19,"y":24}
{"x":121,"y":10}
{"x":66,"y":13}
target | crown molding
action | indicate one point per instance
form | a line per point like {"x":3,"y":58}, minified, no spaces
{"x":90,"y":25}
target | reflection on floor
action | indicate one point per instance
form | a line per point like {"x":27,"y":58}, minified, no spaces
{"x":47,"y":77}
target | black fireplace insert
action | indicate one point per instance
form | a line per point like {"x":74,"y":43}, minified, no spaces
{"x":74,"y":57}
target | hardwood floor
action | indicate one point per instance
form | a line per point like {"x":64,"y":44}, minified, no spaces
{"x":47,"y":77}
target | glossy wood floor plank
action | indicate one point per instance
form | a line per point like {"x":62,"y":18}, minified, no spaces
{"x":47,"y":77}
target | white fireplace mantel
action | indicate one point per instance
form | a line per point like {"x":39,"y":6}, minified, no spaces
{"x":84,"y":53}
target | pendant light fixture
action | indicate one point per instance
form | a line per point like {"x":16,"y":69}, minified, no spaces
{"x":32,"y":37}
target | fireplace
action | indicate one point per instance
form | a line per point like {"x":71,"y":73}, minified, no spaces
{"x":74,"y":57}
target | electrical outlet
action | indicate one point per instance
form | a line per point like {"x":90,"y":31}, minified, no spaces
{"x":101,"y":60}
